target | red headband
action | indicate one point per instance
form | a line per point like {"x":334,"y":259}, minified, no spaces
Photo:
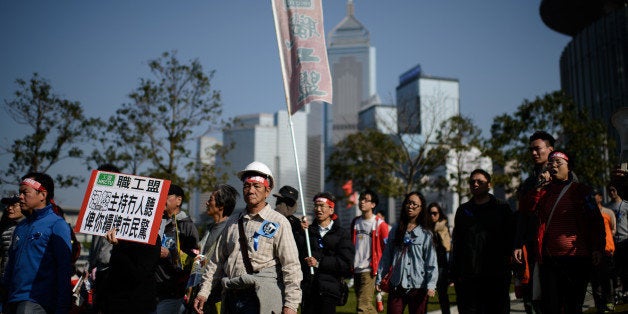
{"x":257,"y":179}
{"x":326,"y":201}
{"x":32,"y":183}
{"x":559,"y":155}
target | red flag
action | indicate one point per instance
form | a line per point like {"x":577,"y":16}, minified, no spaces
{"x":352,"y":197}
{"x":302,"y":50}
{"x":348,"y":187}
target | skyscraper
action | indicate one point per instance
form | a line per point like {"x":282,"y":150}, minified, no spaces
{"x":352,"y":64}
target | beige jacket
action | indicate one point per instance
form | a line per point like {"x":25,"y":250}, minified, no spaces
{"x":443,"y":231}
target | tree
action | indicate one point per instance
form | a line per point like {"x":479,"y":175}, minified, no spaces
{"x":121,"y":143}
{"x":583,"y":138}
{"x":368,"y":158}
{"x":58,"y":128}
{"x":410,"y":133}
{"x":166,"y":114}
{"x":416,"y":132}
{"x":462,"y":138}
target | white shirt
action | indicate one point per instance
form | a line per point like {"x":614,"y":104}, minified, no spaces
{"x":364,"y":228}
{"x":323,"y":230}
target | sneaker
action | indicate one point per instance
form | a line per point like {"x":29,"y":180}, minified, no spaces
{"x":350,"y":283}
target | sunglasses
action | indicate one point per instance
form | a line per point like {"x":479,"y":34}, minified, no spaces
{"x":434,"y":213}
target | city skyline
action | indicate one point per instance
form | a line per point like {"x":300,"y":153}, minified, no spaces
{"x":95,"y":53}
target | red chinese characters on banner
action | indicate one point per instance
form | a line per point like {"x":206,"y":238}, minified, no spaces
{"x":301,"y":39}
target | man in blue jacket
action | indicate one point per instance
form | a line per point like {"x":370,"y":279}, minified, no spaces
{"x":37,"y":277}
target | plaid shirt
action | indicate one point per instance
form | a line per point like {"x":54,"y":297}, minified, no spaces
{"x":278,"y":249}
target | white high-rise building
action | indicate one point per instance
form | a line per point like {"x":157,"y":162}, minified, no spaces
{"x":206,"y":155}
{"x":424,"y":102}
{"x":266,"y":138}
{"x":286,"y":169}
{"x":382,"y":117}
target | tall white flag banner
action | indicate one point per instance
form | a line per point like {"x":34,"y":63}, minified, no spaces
{"x":132,"y":204}
{"x":302,"y":51}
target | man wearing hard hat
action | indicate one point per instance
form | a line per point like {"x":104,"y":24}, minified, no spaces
{"x":256,"y":260}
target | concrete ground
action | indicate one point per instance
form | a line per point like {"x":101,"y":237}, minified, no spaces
{"x":516,"y":305}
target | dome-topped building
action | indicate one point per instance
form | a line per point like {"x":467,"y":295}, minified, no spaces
{"x":352,"y":65}
{"x":349,"y":32}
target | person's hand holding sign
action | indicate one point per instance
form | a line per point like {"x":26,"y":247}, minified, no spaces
{"x":111,"y":236}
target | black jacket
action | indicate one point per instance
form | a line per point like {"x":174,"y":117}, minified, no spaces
{"x":482,"y":239}
{"x":131,"y":284}
{"x":171,"y":279}
{"x":334,"y":253}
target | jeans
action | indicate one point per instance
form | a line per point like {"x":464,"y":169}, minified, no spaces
{"x":416,"y":299}
{"x":441,"y":288}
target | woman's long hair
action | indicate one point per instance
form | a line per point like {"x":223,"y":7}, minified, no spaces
{"x":441,"y":214}
{"x":404,"y":219}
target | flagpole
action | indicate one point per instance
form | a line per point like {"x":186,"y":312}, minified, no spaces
{"x":286,"y":89}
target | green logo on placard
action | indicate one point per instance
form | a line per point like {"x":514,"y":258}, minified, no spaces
{"x":106,"y":179}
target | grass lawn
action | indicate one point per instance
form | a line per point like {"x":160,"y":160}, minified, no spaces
{"x":431,"y":306}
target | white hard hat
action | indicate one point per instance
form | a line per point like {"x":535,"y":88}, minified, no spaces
{"x":258,"y":168}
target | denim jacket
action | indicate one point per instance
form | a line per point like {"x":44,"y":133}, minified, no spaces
{"x":417,"y":267}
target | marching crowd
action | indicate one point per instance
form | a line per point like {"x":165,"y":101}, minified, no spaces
{"x":265,"y":259}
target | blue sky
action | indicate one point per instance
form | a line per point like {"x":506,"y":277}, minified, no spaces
{"x":96,"y":51}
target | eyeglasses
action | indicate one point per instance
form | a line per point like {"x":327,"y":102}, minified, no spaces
{"x":434,"y":213}
{"x":479,"y":182}
{"x":556,"y":161}
{"x":413,"y":204}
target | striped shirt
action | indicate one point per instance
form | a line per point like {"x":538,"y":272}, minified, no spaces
{"x":576,"y":227}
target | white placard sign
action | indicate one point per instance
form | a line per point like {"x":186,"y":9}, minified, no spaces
{"x":132,"y":204}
